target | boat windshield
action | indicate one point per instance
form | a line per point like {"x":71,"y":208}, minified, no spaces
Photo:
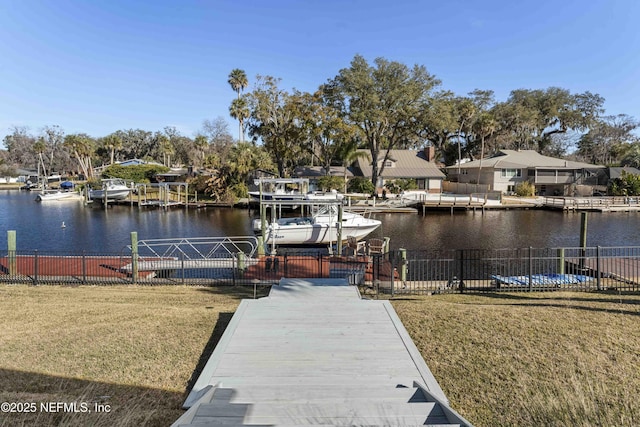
{"x":329,"y":209}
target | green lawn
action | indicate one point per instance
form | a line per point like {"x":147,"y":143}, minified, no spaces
{"x":508,"y":359}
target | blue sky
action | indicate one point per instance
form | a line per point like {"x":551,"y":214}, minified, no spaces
{"x":100,"y":66}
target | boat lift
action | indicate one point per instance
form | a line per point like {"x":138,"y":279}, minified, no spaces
{"x":276,"y":210}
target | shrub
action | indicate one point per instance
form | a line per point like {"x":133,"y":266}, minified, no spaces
{"x":525,"y":189}
{"x":360,"y":184}
{"x":627,"y":185}
{"x":327,"y":183}
{"x":399,"y":185}
{"x":240,"y":190}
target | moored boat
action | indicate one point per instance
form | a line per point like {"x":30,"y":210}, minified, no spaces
{"x":319,"y":228}
{"x":113,"y":188}
{"x":50,"y":195}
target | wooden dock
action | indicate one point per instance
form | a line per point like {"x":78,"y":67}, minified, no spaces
{"x":595,"y":204}
{"x":315,"y":353}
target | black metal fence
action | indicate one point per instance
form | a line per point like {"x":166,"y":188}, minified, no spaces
{"x":396,"y":272}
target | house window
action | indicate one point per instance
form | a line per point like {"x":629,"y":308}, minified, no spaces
{"x":510,"y":173}
{"x":388,"y":164}
{"x":464,"y":172}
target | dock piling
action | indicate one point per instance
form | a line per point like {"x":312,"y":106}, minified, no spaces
{"x":11,"y":246}
{"x":134,"y":256}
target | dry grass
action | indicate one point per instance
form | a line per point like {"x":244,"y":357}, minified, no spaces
{"x":509,"y":359}
{"x":132,"y":348}
{"x":552,"y":359}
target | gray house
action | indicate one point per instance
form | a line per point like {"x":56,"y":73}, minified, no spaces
{"x":312,"y":173}
{"x":418,"y":165}
{"x":550,"y":176}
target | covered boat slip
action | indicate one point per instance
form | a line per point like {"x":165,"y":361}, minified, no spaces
{"x":315,"y":353}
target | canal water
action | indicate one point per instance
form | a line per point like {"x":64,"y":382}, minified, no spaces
{"x":99,"y":230}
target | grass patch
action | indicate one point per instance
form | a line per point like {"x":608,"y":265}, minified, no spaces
{"x":132,"y":348}
{"x":550,"y":359}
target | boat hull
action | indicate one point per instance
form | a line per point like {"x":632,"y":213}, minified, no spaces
{"x":59,"y":195}
{"x":111,"y":194}
{"x":317,"y":234}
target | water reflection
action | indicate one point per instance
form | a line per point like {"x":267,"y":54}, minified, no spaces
{"x":93,"y":229}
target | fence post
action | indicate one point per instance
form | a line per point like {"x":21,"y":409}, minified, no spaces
{"x":182,"y":267}
{"x":561,"y":261}
{"x":530,"y":269}
{"x":134,"y":256}
{"x":233,"y":269}
{"x":241,"y":263}
{"x":598,"y":284}
{"x":583,"y":241}
{"x":11,"y":246}
{"x":84,"y":268}
{"x":35,"y":267}
{"x":404,"y":266}
{"x":393,"y":264}
{"x":461,"y":282}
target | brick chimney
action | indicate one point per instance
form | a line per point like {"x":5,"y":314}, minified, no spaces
{"x":430,"y":153}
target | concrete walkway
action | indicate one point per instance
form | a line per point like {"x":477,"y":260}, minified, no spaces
{"x":315,"y":353}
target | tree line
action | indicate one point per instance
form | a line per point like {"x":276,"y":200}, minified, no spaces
{"x":376,"y":106}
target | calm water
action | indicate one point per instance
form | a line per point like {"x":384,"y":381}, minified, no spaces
{"x":94,"y":229}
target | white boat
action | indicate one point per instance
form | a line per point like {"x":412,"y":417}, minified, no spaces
{"x":319,"y":228}
{"x":290,"y":190}
{"x":324,"y":195}
{"x":50,"y":195}
{"x":116,"y":189}
{"x":280,"y":189}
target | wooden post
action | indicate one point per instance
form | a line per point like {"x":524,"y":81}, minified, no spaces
{"x":403,"y":265}
{"x":583,"y":240}
{"x":11,"y":246}
{"x":561,"y":261}
{"x":134,"y":256}
{"x":242,"y":263}
{"x":260,"y":245}
{"x":263,"y":221}
{"x":104,"y":195}
{"x":583,"y":230}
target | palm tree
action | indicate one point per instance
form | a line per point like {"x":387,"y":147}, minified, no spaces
{"x":40,"y":147}
{"x":350,"y":153}
{"x":240,"y":110}
{"x":113,"y":142}
{"x":465,"y":110}
{"x":81,"y":146}
{"x":238,"y":81}
{"x":485,"y":125}
{"x":201,"y":143}
{"x":166,"y":148}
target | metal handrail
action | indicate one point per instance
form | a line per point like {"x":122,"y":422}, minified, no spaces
{"x":194,"y":247}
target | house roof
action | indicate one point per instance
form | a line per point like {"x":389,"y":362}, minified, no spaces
{"x":616,"y":172}
{"x":318,"y":171}
{"x":408,"y":164}
{"x":135,"y":162}
{"x":525,"y":159}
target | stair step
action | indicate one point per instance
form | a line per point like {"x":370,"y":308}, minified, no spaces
{"x":317,"y":393}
